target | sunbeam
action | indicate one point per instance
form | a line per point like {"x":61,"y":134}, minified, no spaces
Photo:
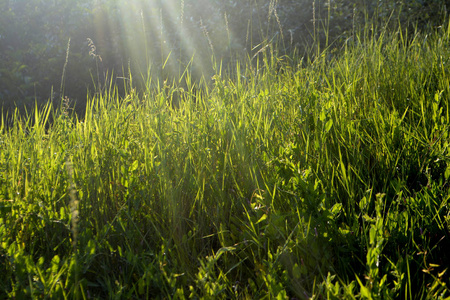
{"x":157,"y":35}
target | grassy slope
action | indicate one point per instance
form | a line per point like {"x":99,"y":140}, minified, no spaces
{"x":326,"y":179}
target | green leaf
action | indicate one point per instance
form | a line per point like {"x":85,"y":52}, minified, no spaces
{"x":322,"y":116}
{"x":365,"y":292}
{"x":336,"y":209}
{"x":55,"y":264}
{"x":134,"y":166}
{"x":223,"y":250}
{"x":447,"y":172}
{"x":262,"y":218}
{"x":328,"y":125}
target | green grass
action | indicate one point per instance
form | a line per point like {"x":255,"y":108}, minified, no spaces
{"x":326,"y":179}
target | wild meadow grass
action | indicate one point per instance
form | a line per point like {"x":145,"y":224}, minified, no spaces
{"x":286,"y":178}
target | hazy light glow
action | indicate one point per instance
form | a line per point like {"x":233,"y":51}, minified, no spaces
{"x":153,"y":31}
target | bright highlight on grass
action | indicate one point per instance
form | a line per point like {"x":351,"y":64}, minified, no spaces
{"x":326,"y":179}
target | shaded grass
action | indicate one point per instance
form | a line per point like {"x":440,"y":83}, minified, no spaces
{"x":326,"y":179}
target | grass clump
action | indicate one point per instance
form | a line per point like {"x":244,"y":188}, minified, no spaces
{"x":286,"y":179}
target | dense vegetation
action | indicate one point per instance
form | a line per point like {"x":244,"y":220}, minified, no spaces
{"x":322,"y":176}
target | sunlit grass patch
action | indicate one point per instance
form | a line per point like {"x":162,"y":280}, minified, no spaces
{"x":326,"y":179}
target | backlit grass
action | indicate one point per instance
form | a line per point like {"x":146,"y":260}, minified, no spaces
{"x":322,"y":179}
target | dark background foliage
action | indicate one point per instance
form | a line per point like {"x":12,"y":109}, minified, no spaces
{"x":126,"y":37}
